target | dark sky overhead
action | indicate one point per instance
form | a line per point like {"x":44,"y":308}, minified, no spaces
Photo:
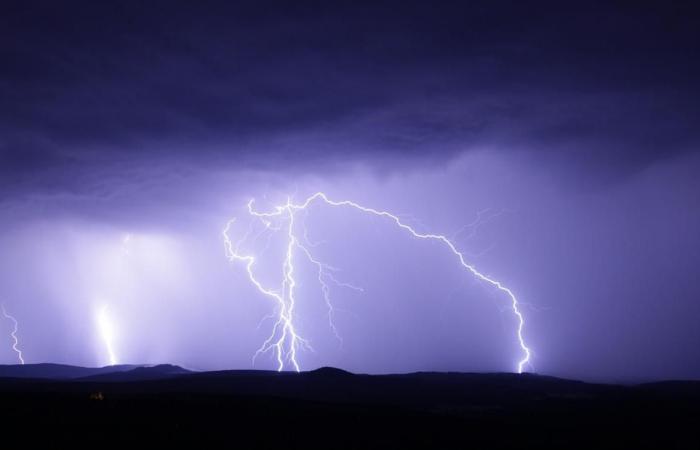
{"x":555,"y":142}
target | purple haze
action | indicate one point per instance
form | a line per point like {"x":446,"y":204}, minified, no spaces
{"x":131,"y":135}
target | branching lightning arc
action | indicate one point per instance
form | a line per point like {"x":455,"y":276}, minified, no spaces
{"x":284,"y":340}
{"x":15,"y":344}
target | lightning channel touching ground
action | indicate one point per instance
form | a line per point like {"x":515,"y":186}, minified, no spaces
{"x":106,"y":329}
{"x":284,"y":340}
{"x":15,"y":339}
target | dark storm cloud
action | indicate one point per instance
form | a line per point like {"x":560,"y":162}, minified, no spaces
{"x":93,"y":85}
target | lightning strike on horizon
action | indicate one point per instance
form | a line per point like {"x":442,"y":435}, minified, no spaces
{"x":15,"y":345}
{"x":284,"y":339}
{"x":106,"y":330}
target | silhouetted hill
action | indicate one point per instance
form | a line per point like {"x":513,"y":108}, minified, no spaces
{"x":161,"y":371}
{"x":681,"y":387}
{"x":57,"y":371}
{"x":332,"y":408}
{"x":330,"y":372}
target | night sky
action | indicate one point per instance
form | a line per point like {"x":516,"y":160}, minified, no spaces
{"x":556,"y":144}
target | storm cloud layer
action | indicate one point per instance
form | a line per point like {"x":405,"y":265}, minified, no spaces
{"x":84,"y":83}
{"x":577,"y":124}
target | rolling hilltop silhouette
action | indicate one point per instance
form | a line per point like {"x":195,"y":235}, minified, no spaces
{"x":332,"y":408}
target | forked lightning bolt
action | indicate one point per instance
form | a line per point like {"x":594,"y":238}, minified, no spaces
{"x":15,"y":344}
{"x":284,"y":339}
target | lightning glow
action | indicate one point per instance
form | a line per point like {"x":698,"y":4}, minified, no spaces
{"x":106,"y":330}
{"x":15,"y":339}
{"x":284,"y":340}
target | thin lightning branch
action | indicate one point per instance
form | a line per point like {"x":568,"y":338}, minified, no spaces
{"x":306,"y":233}
{"x":325,"y":273}
{"x":481,"y":253}
{"x":284,"y":339}
{"x":265,"y":318}
{"x":15,"y":345}
{"x":482,"y":218}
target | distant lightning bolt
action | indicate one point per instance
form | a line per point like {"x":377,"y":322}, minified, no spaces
{"x":107,"y":332}
{"x":284,"y":339}
{"x":15,"y":345}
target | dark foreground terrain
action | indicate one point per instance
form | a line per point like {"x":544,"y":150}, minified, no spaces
{"x":70,"y":407}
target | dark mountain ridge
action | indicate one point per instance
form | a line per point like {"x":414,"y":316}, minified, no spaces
{"x":58,"y":371}
{"x":266,"y":409}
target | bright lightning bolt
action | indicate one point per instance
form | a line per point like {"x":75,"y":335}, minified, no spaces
{"x":15,"y":345}
{"x":284,"y":339}
{"x":107,"y":333}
